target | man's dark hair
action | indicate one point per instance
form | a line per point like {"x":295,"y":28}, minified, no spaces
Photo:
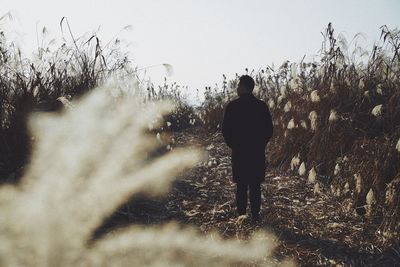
{"x":247,"y":82}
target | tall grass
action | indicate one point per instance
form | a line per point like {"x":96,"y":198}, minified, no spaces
{"x":37,"y":84}
{"x":339,"y":117}
{"x":95,"y":150}
{"x":336,"y":119}
{"x":56,"y":75}
{"x":86,"y":162}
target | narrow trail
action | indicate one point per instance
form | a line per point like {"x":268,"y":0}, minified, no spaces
{"x":314,"y":229}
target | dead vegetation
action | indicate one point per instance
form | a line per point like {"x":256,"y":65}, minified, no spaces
{"x":337,"y":122}
{"x":332,"y":195}
{"x":73,"y":184}
{"x":312,"y":227}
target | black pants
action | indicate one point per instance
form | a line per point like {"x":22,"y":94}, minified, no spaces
{"x":255,"y":198}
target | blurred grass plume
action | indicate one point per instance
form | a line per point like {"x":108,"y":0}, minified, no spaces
{"x":87,"y":161}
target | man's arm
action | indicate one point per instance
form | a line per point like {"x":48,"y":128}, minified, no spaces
{"x":227,"y":124}
{"x":269,"y":127}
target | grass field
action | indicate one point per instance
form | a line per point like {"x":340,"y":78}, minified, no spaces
{"x":90,"y":153}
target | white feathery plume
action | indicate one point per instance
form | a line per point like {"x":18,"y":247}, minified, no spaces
{"x":287,"y":107}
{"x":35,"y":91}
{"x":271,"y":103}
{"x":303,"y":124}
{"x":282,"y":90}
{"x":370,"y":201}
{"x":66,"y":103}
{"x":86,"y":163}
{"x":361,"y":84}
{"x":302,"y":169}
{"x":171,"y":246}
{"x":158,"y":136}
{"x":333,"y":116}
{"x":338,"y":192}
{"x":280,"y":98}
{"x":317,"y":189}
{"x":390,"y":193}
{"x":358,"y":182}
{"x":293,"y":70}
{"x":313,"y":116}
{"x":337,"y":169}
{"x":312,"y":175}
{"x":314,"y":96}
{"x":295,"y":162}
{"x":346,"y":188}
{"x":377,"y":110}
{"x":398,"y":145}
{"x":291,"y":124}
{"x":294,"y":83}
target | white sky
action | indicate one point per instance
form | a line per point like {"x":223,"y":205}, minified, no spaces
{"x":204,"y":39}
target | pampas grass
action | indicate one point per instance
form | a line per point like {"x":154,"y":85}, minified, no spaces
{"x":312,"y":176}
{"x":302,"y":169}
{"x":358,"y":183}
{"x":280,"y":98}
{"x":288,"y":107}
{"x":361,"y":84}
{"x":314,"y":96}
{"x":291,"y":125}
{"x":87,"y":162}
{"x":332,"y":116}
{"x":337,"y":169}
{"x":295,"y":162}
{"x":271,"y":103}
{"x":389,"y":195}
{"x":313,"y":116}
{"x":303,"y":124}
{"x":370,"y":201}
{"x":377,"y":111}
{"x":346,"y":188}
{"x":170,"y":246}
{"x":317,"y":189}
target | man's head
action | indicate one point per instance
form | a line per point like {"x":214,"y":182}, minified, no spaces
{"x":246,"y":85}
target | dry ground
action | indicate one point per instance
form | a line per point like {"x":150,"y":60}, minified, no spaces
{"x":316,"y":230}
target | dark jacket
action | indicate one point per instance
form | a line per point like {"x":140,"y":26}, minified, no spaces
{"x":247,"y":128}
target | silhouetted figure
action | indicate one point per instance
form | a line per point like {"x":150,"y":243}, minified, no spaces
{"x":247,"y":128}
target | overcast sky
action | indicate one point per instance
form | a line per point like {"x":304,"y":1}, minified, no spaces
{"x":204,"y":39}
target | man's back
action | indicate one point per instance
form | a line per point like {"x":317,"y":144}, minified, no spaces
{"x":247,"y":124}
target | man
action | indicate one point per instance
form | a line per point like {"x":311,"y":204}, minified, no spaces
{"x":247,"y":128}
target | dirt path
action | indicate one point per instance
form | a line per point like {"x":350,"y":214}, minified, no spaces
{"x":316,"y":229}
